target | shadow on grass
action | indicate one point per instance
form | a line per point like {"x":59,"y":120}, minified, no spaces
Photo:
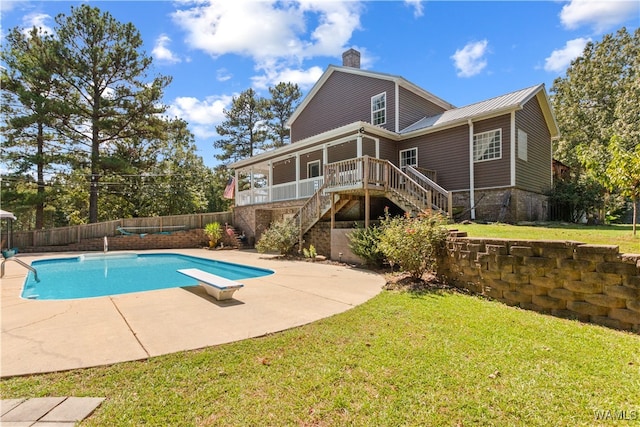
{"x":427,"y":286}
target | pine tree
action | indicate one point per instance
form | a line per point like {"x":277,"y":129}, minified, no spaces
{"x":285,"y":98}
{"x":244,"y":131}
{"x":100,"y":60}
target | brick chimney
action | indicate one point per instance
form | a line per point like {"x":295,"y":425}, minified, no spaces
{"x":351,"y":58}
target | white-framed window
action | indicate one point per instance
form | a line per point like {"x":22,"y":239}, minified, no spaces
{"x":487,"y":145}
{"x":313,"y":169}
{"x":379,"y":109}
{"x":522,"y":145}
{"x":408,"y":157}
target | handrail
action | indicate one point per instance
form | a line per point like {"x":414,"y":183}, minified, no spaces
{"x":25,"y":265}
{"x":444,"y":201}
{"x":309,"y":213}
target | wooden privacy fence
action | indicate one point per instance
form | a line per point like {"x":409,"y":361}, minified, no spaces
{"x":74,"y":234}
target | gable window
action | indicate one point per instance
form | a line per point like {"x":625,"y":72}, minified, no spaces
{"x":313,"y":169}
{"x":379,"y":109}
{"x":487,"y":145}
{"x":408,"y":158}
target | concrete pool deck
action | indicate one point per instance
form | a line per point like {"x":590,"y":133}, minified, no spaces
{"x":48,"y":336}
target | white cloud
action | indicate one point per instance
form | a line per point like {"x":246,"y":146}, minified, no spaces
{"x":162,"y":53}
{"x":277,"y":35}
{"x":202,"y":116}
{"x":470,"y":60}
{"x":304,"y":78}
{"x":418,"y":10}
{"x":601,"y":15}
{"x":560,"y":59}
{"x":222,"y":75}
{"x":36,"y":20}
{"x":6,"y":6}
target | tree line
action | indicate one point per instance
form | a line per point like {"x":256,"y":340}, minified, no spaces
{"x":85,"y":135}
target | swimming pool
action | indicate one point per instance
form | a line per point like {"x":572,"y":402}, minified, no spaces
{"x":95,"y":275}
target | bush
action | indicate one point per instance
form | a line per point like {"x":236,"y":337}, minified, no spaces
{"x":413,"y":243}
{"x":365,"y":243}
{"x":213,"y":231}
{"x":281,"y":236}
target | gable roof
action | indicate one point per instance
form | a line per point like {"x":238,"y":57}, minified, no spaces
{"x":401,"y":81}
{"x":490,"y":107}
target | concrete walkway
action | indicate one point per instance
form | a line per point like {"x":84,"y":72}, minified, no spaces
{"x":47,"y":336}
{"x":47,"y":411}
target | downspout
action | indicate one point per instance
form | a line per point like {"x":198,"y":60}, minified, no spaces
{"x":472,"y":195}
{"x":513,"y":148}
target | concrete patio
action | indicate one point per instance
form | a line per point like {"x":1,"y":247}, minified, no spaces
{"x":47,"y":336}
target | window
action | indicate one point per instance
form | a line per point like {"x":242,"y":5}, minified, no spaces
{"x":379,"y":109}
{"x":487,"y":145}
{"x":313,"y":169}
{"x":408,"y":158}
{"x":522,"y":145}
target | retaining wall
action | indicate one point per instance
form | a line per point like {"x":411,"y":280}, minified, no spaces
{"x":591,"y":283}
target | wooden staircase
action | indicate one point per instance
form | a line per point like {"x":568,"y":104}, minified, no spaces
{"x":411,"y":190}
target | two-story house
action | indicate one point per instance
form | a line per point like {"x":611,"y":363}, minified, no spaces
{"x":362,"y":141}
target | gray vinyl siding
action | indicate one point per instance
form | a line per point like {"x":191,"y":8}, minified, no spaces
{"x":414,"y":108}
{"x":446,"y":152}
{"x":496,"y":172}
{"x":535,"y":173}
{"x":284,"y":171}
{"x":343,"y":151}
{"x":389,"y":150}
{"x":344,"y":98}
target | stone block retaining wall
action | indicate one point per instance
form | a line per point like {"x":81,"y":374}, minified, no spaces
{"x":591,"y":283}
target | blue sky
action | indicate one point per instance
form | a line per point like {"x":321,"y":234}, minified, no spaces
{"x":462,"y":52}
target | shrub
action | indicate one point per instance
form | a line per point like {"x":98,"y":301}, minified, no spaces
{"x":365,"y":243}
{"x":310,"y":253}
{"x":213,"y":231}
{"x":281,"y":236}
{"x":413,"y":243}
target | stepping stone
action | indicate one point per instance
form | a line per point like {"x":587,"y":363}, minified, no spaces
{"x":8,"y":404}
{"x":32,"y":409}
{"x":73,"y":409}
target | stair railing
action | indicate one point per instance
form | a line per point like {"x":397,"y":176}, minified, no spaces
{"x":440,"y":198}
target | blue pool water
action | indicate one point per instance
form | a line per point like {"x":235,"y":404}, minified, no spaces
{"x":91,"y":275}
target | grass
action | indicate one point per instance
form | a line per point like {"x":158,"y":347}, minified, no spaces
{"x":432,"y":358}
{"x":620,"y":235}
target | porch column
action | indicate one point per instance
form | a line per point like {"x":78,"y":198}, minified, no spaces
{"x":269,"y":180}
{"x":297,"y":176}
{"x":359,"y":146}
{"x":367,"y":207}
{"x":253,"y":195}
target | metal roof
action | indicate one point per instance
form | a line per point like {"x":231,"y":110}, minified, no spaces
{"x":509,"y":101}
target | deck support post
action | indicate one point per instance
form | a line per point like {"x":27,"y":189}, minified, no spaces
{"x":333,"y":211}
{"x":367,"y":207}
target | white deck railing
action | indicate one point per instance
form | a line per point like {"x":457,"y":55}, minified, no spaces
{"x":280,"y":192}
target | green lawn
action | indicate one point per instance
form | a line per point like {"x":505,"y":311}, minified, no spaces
{"x":620,"y":235}
{"x":435,"y":358}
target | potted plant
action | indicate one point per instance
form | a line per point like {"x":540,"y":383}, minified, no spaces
{"x":213,"y":231}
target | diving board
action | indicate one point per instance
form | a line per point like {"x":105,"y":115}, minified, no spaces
{"x":216,"y":286}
